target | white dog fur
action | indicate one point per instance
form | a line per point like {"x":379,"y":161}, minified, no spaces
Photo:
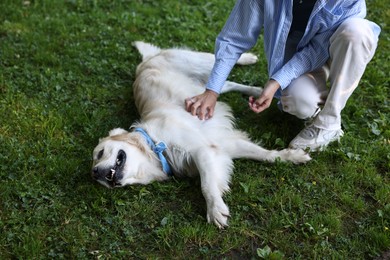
{"x":164,"y":79}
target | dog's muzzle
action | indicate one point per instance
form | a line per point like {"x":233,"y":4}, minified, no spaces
{"x":111,"y":175}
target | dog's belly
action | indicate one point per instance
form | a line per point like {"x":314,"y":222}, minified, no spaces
{"x":164,"y":88}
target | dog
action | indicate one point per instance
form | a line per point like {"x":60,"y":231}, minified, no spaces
{"x":169,"y":141}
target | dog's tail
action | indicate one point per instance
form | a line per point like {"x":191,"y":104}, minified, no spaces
{"x":147,"y":50}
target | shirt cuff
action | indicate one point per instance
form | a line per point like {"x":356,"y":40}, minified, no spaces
{"x":286,"y":75}
{"x":218,"y":76}
{"x":282,"y":79}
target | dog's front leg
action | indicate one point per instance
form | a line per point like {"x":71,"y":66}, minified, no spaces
{"x":214,"y":172}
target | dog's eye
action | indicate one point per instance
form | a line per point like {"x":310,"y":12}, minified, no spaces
{"x":100,"y":154}
{"x":121,"y":158}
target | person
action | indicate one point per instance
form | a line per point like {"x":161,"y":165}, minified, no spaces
{"x":306,"y":43}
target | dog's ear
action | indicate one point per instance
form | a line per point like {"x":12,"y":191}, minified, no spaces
{"x":117,"y":131}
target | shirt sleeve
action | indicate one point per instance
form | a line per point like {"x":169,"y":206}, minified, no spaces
{"x":310,"y":58}
{"x":239,"y":34}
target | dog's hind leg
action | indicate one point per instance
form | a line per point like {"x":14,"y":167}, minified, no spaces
{"x":198,"y":65}
{"x":195,"y":65}
{"x":247,"y":59}
{"x":242,"y":148}
{"x":245,"y":89}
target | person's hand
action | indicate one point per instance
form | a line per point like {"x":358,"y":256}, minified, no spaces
{"x":265,"y":98}
{"x":202,"y":105}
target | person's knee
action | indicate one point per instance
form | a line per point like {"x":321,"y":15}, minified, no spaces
{"x":296,"y":106}
{"x":302,"y":97}
{"x":357,"y":31}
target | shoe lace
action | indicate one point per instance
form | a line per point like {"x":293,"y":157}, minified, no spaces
{"x":310,"y":131}
{"x":310,"y":120}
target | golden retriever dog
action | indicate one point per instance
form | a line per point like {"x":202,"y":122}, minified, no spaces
{"x":168,"y":141}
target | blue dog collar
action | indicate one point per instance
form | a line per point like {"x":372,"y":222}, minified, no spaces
{"x":158,"y":149}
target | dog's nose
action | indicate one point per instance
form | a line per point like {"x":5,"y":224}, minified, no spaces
{"x":95,"y":172}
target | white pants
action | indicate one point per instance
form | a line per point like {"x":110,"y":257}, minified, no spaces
{"x":352,"y":46}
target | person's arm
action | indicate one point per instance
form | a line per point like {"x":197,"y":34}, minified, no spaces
{"x":239,"y":34}
{"x":313,"y":56}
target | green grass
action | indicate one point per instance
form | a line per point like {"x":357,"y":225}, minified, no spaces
{"x":66,"y":70}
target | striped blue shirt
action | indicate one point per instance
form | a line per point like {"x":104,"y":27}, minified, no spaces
{"x":249,"y":17}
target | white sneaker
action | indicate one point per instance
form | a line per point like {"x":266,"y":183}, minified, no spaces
{"x":315,"y":138}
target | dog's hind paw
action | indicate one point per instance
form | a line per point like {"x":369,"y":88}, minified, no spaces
{"x":247,"y":59}
{"x":218,"y":214}
{"x":295,"y":155}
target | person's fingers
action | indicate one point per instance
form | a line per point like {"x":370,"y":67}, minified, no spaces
{"x":263,"y":106}
{"x":258,"y":105}
{"x":251,"y":100}
{"x":188,"y":103}
{"x":254,"y":108}
{"x":251,"y":103}
{"x":210,"y":113}
{"x":202,"y":111}
{"x":265,"y":98}
{"x":260,"y":108}
{"x":195,"y":108}
{"x":202,"y":105}
{"x":200,"y":115}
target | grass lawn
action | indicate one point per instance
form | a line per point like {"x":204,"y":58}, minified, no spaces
{"x":66,"y":74}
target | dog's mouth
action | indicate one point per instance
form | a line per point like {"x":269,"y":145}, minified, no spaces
{"x":111,"y":177}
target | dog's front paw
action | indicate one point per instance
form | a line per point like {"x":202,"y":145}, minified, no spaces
{"x":218,"y":214}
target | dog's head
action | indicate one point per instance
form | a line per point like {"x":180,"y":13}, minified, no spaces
{"x":122,"y":158}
